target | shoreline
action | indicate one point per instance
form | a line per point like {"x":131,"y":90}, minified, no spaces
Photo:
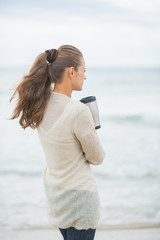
{"x":101,"y":227}
{"x":128,"y":226}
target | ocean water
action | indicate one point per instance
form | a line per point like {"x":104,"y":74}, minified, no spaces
{"x":129,"y":178}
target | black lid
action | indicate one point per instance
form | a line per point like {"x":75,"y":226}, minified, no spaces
{"x":88,"y":99}
{"x":97,"y":127}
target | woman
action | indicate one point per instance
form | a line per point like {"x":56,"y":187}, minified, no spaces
{"x":68,"y":137}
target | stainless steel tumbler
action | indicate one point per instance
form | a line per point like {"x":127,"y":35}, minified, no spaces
{"x":92,"y":104}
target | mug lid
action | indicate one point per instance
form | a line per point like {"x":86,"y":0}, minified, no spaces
{"x":88,"y":99}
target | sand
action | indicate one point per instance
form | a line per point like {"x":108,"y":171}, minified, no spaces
{"x":137,"y":234}
{"x":141,"y":232}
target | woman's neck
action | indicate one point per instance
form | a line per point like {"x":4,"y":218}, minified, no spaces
{"x":63,"y":88}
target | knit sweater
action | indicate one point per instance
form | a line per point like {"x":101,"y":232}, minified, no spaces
{"x":70,"y":143}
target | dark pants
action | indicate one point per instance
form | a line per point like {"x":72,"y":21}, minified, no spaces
{"x":75,"y":234}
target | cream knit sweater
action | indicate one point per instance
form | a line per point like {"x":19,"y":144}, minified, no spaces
{"x":70,"y":143}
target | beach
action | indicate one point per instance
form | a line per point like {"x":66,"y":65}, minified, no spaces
{"x":120,"y":43}
{"x":128,"y":180}
{"x":133,"y":232}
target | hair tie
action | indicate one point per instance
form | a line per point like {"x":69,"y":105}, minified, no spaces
{"x":51,"y":55}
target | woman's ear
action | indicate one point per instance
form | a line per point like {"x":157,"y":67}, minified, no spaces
{"x":71,"y":72}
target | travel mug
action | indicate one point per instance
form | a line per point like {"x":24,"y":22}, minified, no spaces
{"x":92,"y":104}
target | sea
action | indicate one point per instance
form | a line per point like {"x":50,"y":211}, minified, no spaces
{"x":128,"y":180}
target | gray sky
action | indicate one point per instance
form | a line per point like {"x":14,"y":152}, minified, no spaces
{"x":110,"y":33}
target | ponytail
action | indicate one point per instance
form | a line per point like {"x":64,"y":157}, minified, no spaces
{"x":33,"y":94}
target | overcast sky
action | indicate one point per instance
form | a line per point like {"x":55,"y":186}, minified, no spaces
{"x":110,"y":33}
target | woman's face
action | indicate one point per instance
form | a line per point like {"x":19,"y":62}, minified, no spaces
{"x":79,"y":77}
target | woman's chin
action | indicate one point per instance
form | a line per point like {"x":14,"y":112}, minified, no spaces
{"x":78,"y":88}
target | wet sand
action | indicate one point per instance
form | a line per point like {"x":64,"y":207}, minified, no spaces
{"x":125,"y":232}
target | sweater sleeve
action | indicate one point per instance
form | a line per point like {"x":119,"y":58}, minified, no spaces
{"x":86,"y":134}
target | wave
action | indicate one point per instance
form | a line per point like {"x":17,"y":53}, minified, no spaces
{"x":101,"y":175}
{"x":148,"y":175}
{"x":21,"y":173}
{"x":152,"y":121}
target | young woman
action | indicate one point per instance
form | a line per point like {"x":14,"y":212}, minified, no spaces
{"x":68,"y":137}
